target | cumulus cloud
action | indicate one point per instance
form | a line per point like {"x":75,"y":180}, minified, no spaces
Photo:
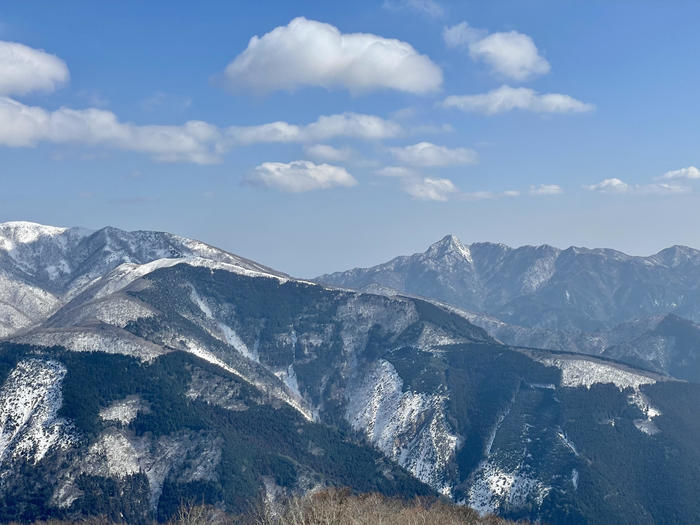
{"x":22,"y":125}
{"x":691,"y":172}
{"x":350,"y":125}
{"x":423,"y":7}
{"x":613,"y":185}
{"x":310,"y":53}
{"x":194,"y":141}
{"x":24,"y":70}
{"x":328,"y":153}
{"x":431,"y":155}
{"x":432,"y":189}
{"x":512,"y":55}
{"x":300,"y":176}
{"x":546,"y":189}
{"x":507,"y":98}
{"x":619,"y":187}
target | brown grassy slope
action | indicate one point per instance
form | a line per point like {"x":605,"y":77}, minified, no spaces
{"x":330,"y":507}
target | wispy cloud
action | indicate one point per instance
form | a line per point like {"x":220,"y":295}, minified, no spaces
{"x":349,"y":125}
{"x":616,"y":186}
{"x":328,"y":153}
{"x":161,"y":99}
{"x":427,"y":154}
{"x":397,"y":171}
{"x":507,"y":98}
{"x":546,"y":189}
{"x":440,"y":189}
{"x":422,"y":7}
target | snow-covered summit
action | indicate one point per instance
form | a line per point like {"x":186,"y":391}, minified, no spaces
{"x":43,"y":267}
{"x":447,"y":246}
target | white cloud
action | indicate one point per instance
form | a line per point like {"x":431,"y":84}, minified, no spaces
{"x":195,"y":141}
{"x":691,"y":172}
{"x":425,"y":7}
{"x":431,"y":189}
{"x":546,"y":189}
{"x":427,"y":154}
{"x":489,"y":195}
{"x":353,"y":125}
{"x":24,"y":70}
{"x":300,"y":176}
{"x":22,"y":125}
{"x":397,"y":171}
{"x":461,"y":35}
{"x":328,"y":153}
{"x":310,"y":53}
{"x":507,"y":98}
{"x":437,"y":189}
{"x":512,"y":55}
{"x":617,"y":186}
{"x":613,"y":185}
{"x":350,"y":125}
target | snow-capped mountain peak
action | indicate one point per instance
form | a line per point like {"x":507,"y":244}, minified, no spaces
{"x":44,"y":267}
{"x":13,"y":234}
{"x":449,"y":245}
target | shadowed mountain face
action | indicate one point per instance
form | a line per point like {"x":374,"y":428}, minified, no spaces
{"x":215,"y":379}
{"x":541,"y":286}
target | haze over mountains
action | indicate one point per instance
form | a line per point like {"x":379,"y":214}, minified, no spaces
{"x":162,"y":369}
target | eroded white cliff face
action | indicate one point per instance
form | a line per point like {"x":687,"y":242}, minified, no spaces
{"x":495,"y":488}
{"x":409,"y":427}
{"x":29,"y":402}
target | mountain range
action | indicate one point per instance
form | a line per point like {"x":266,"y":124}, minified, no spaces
{"x":594,"y":301}
{"x":143,"y":369}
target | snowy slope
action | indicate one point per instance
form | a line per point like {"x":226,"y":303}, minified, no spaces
{"x":43,"y":267}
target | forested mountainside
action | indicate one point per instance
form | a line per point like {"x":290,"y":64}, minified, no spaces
{"x":202,"y":378}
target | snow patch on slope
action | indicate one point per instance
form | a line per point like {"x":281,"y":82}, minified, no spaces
{"x":540,"y":272}
{"x":408,"y":427}
{"x":225,"y":333}
{"x":292,"y":400}
{"x":111,"y":341}
{"x":646,"y":425}
{"x":29,"y":402}
{"x":584,"y":372}
{"x":119,"y":453}
{"x":495,"y":489}
{"x":123,"y":411}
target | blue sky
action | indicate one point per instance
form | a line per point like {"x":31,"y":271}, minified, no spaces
{"x":568,"y":123}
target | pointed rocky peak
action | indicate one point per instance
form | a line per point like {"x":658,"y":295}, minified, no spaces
{"x":449,"y":245}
